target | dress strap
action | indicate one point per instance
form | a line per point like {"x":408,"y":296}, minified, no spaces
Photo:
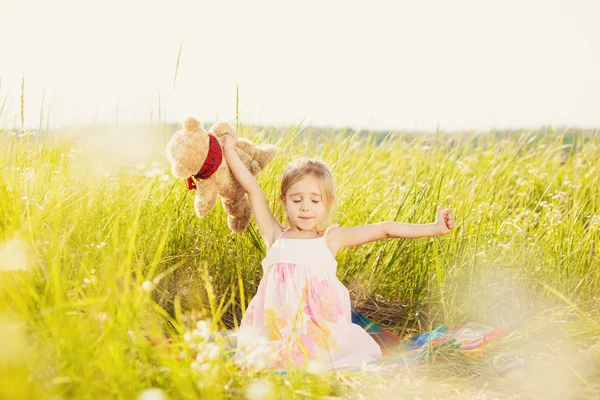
{"x":328,"y":228}
{"x":285,"y":229}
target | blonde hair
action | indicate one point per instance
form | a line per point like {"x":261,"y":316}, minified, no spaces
{"x":303,"y":167}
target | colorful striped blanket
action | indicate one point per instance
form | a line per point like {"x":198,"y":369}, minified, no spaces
{"x":415,"y":349}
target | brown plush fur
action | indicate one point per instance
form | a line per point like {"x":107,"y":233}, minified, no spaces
{"x":187,"y":150}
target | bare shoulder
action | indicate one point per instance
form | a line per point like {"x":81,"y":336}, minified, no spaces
{"x":333,"y":236}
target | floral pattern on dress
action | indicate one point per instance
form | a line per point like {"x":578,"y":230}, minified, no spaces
{"x":322,"y":336}
{"x":298,"y":350}
{"x":284,"y":272}
{"x":274,"y":325}
{"x":322,"y":302}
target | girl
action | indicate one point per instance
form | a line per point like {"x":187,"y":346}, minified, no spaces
{"x":301,"y":311}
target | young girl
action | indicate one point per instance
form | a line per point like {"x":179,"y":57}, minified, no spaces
{"x":301,"y":311}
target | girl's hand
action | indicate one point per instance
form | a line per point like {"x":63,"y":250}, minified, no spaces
{"x":444,"y":219}
{"x":229,"y":141}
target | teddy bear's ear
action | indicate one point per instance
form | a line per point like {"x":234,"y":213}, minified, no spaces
{"x":192,"y":124}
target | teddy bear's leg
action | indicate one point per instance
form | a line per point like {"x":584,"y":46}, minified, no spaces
{"x":206,"y":197}
{"x":247,"y":146}
{"x":238,"y":210}
{"x":265,"y":155}
{"x":262,"y":155}
{"x":250,"y":164}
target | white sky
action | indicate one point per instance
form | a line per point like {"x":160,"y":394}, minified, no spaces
{"x":463,"y":64}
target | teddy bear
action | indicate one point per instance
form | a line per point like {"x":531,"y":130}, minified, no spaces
{"x":197,"y":157}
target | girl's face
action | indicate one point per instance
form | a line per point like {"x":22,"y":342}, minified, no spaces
{"x":304,"y":205}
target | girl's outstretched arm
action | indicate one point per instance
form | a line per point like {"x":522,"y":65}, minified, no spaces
{"x":355,"y":236}
{"x":266,"y":222}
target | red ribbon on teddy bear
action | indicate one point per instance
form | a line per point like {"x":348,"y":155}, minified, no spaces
{"x":212,"y":162}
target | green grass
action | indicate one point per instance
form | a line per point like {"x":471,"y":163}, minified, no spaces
{"x":86,"y":224}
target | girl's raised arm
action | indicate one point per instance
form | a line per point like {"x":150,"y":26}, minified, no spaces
{"x":355,"y":236}
{"x":266,"y":222}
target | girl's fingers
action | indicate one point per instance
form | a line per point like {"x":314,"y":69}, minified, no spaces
{"x":448,"y":216}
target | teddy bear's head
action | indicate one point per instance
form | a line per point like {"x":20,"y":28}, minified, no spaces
{"x":187,"y":149}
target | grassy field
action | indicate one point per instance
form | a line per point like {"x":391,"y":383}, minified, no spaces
{"x":100,"y":249}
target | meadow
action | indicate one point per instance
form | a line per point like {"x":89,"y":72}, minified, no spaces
{"x":101,"y":256}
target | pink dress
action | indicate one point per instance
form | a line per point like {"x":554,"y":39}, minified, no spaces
{"x":301,"y":312}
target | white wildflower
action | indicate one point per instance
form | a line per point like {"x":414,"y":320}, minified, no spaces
{"x":196,"y":365}
{"x":102,"y":316}
{"x":204,"y":367}
{"x":147,"y":286}
{"x":202,"y":329}
{"x":258,"y":390}
{"x":212,"y":351}
{"x":152,"y":394}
